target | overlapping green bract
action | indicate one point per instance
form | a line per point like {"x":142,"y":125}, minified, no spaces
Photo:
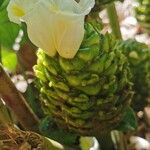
{"x":143,"y":15}
{"x":89,"y":93}
{"x":139,"y":57}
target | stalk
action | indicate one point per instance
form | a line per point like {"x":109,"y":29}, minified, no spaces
{"x":106,"y":142}
{"x":113,"y":20}
{"x":120,"y":140}
{"x":123,"y":145}
{"x":16,"y":102}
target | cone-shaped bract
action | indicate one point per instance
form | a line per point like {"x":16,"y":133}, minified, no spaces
{"x":139,"y":58}
{"x":143,"y":15}
{"x":86,"y":94}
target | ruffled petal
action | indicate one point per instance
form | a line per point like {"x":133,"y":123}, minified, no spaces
{"x":53,"y":25}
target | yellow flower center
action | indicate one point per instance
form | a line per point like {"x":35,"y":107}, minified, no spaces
{"x":18,"y":11}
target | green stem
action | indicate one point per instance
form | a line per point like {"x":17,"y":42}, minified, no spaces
{"x":113,"y":20}
{"x":106,"y":142}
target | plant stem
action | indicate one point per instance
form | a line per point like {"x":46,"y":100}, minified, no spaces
{"x":16,"y":102}
{"x":113,"y":20}
{"x":120,"y":140}
{"x":106,"y":142}
{"x":123,"y":145}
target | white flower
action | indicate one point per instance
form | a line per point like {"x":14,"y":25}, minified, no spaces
{"x":52,"y":25}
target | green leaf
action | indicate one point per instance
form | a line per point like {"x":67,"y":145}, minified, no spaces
{"x":9,"y":59}
{"x":8,"y":30}
{"x":49,"y":129}
{"x":3,"y":4}
{"x":32,"y":97}
{"x":129,"y":121}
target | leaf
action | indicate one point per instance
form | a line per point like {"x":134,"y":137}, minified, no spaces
{"x":32,"y":97}
{"x":129,"y":121}
{"x":3,"y":4}
{"x":9,"y":59}
{"x":8,"y":30}
{"x":49,"y":129}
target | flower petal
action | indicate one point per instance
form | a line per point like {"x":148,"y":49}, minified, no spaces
{"x":41,"y":29}
{"x":19,"y":8}
{"x":69,"y":34}
{"x":68,"y":6}
{"x":86,"y":5}
{"x":53,"y":25}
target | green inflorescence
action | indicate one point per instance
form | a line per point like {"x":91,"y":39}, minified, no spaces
{"x":89,"y":93}
{"x":139,"y":58}
{"x":143,"y":15}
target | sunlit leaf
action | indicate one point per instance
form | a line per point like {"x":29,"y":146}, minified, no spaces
{"x":8,"y":30}
{"x":9,"y":59}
